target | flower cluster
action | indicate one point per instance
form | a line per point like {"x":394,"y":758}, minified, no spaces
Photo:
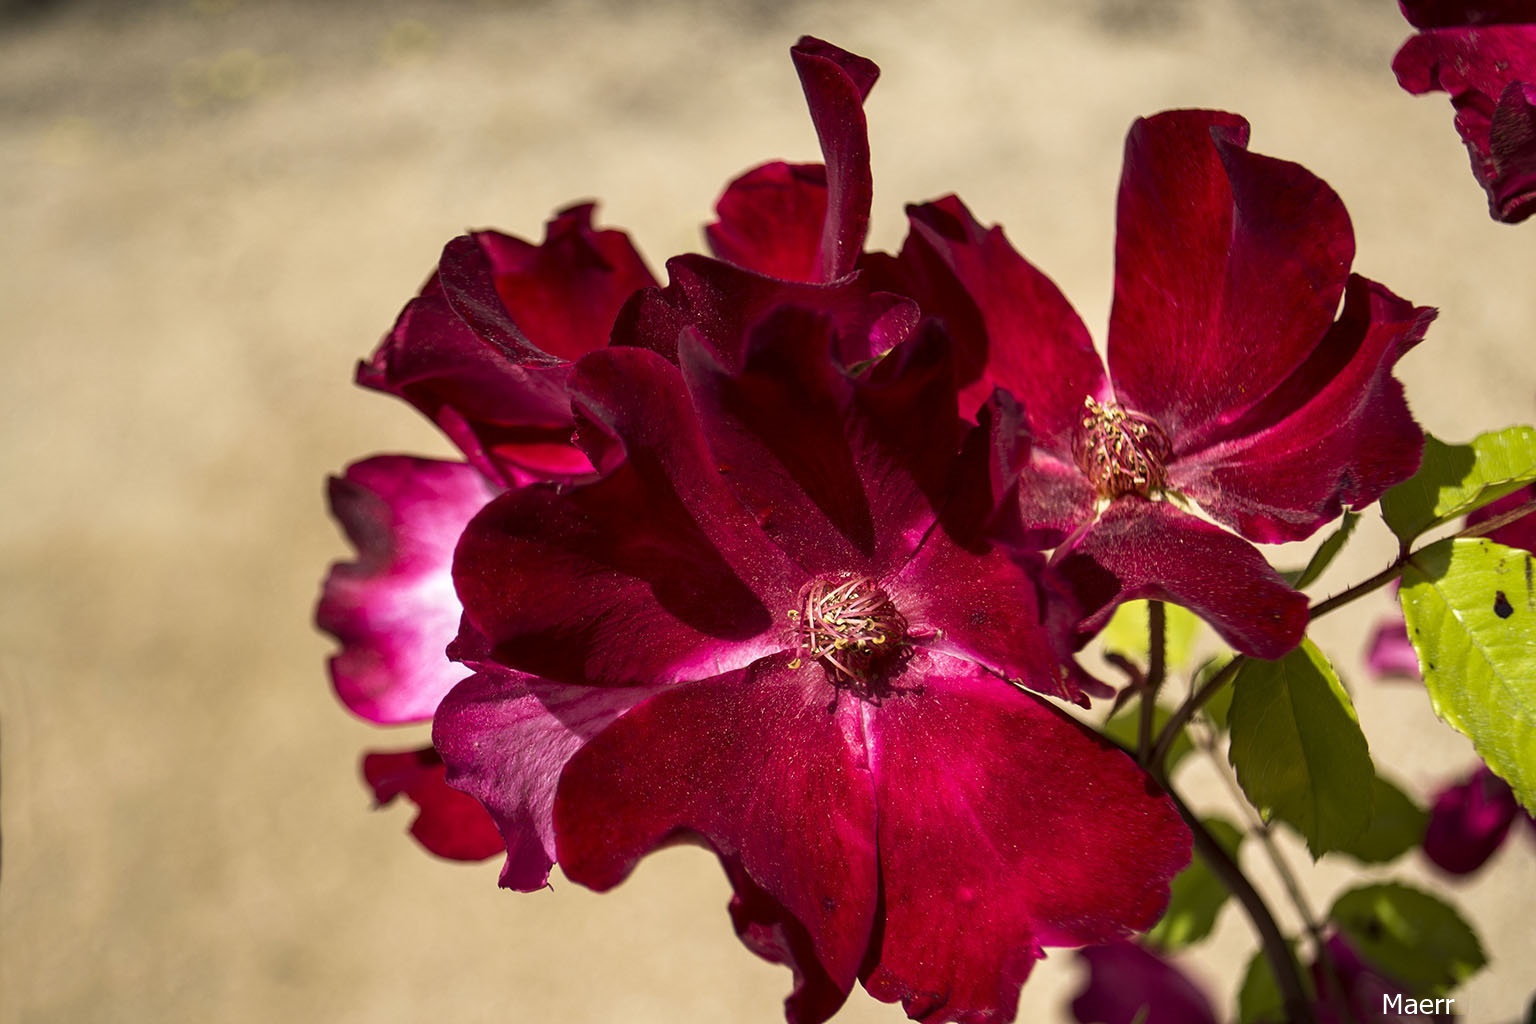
{"x":790,"y":557}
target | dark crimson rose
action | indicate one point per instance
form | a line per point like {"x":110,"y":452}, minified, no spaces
{"x":1130,"y":985}
{"x":1469,"y":822}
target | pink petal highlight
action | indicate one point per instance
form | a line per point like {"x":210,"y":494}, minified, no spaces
{"x":1146,"y":549}
{"x":1391,"y":654}
{"x":696,"y":760}
{"x":988,"y":853}
{"x":1201,"y":330}
{"x":394,"y":609}
{"x":447,"y":823}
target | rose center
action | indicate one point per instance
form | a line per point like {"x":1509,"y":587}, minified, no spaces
{"x":851,"y":626}
{"x":1122,"y":452}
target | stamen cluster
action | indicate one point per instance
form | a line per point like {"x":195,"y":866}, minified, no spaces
{"x":852,"y":627}
{"x":1121,"y":452}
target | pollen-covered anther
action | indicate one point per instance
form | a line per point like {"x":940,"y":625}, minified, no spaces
{"x":1121,"y":452}
{"x":850,"y":626}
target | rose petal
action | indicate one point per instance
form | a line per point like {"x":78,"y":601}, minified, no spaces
{"x":1012,"y":326}
{"x":1004,"y":826}
{"x":768,"y":766}
{"x":1468,"y":822}
{"x":1521,"y":533}
{"x":1228,"y":269}
{"x":394,"y":609}
{"x":1130,"y":985}
{"x":1444,"y":13}
{"x":447,"y":823}
{"x":505,"y":738}
{"x":836,"y":83}
{"x":770,"y":221}
{"x":1490,"y":75}
{"x":1392,"y":654}
{"x":1149,"y":549}
{"x":842,"y":473}
{"x":653,"y":573}
{"x":1336,"y":434}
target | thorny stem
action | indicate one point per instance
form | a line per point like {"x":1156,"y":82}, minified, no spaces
{"x":1282,"y":961}
{"x":1157,"y":658}
{"x":1499,"y":521}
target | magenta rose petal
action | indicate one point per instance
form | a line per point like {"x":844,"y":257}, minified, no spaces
{"x":771,"y":772}
{"x":1468,"y":822}
{"x":770,"y":221}
{"x":394,"y":609}
{"x":1447,"y":13}
{"x":770,"y":931}
{"x":1203,"y":329}
{"x":1127,"y":984}
{"x":1391,"y":654}
{"x":987,"y":854}
{"x":448,"y":823}
{"x":1031,"y":340}
{"x":836,"y":83}
{"x":505,"y":738}
{"x":1521,"y":533}
{"x":1149,"y":549}
{"x":842,"y":473}
{"x":653,"y":573}
{"x":1335,"y":435}
{"x":1489,"y":73}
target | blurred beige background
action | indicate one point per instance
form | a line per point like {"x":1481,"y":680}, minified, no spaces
{"x":212,"y":208}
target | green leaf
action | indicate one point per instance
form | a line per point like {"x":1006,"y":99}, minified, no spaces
{"x":1259,"y":1000}
{"x":1298,"y":750}
{"x":1409,"y":935}
{"x":1126,"y":633}
{"x":1397,"y":826}
{"x":1471,"y":611}
{"x":1457,"y":478}
{"x":1220,"y":705}
{"x":1326,"y":552}
{"x":1197,"y":895}
{"x":1124,"y":728}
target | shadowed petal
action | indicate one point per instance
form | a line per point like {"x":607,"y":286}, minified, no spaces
{"x":1228,"y":269}
{"x":653,"y":573}
{"x":1004,"y":826}
{"x":1012,"y":326}
{"x":769,"y":767}
{"x":447,"y":823}
{"x":770,"y":221}
{"x":1518,"y":534}
{"x":770,"y":931}
{"x":836,"y":83}
{"x":1469,"y":821}
{"x":1445,"y":13}
{"x":1130,"y":985}
{"x":505,"y":738}
{"x":1149,"y":549}
{"x":843,"y":473}
{"x":1337,"y":434}
{"x":1490,"y":74}
{"x":394,"y":609}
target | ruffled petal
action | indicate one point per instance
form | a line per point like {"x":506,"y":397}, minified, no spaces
{"x":1490,"y":74}
{"x":1005,"y":826}
{"x":506,"y":737}
{"x":720,"y":304}
{"x":1228,"y":269}
{"x":1469,"y":821}
{"x":1149,"y":549}
{"x":447,"y":823}
{"x":770,"y":221}
{"x":982,"y":606}
{"x":844,"y":473}
{"x":653,"y":573}
{"x":836,"y":83}
{"x":1011,"y":325}
{"x":767,"y":766}
{"x":1336,"y":434}
{"x":394,"y":609}
{"x":1127,"y":984}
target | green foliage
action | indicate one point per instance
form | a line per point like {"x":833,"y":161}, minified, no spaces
{"x":1471,"y":611}
{"x":1410,"y":935}
{"x":1125,"y":725}
{"x":1197,"y":895}
{"x":1259,"y":1000}
{"x":1454,"y":479}
{"x":1126,"y":633}
{"x":1326,"y":552}
{"x":1298,"y":750}
{"x":1397,"y":826}
{"x":1220,"y":705}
